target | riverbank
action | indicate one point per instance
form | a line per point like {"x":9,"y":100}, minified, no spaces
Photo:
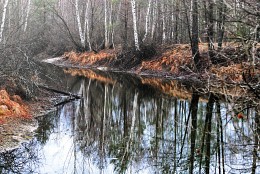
{"x":18,"y":118}
{"x":16,"y":122}
{"x":170,"y":62}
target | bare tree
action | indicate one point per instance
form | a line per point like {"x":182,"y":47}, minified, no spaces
{"x":3,"y":20}
{"x":221,"y":22}
{"x":86,"y":25}
{"x":147,"y":20}
{"x":163,"y":23}
{"x":27,"y":15}
{"x":81,"y":34}
{"x":195,"y":35}
{"x":135,"y":25}
{"x":106,"y":26}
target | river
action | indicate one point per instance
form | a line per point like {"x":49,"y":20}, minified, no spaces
{"x":130,"y":124}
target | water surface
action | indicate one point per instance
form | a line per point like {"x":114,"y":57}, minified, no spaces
{"x":126,"y":124}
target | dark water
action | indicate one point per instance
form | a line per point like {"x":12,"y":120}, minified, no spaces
{"x":125,"y":124}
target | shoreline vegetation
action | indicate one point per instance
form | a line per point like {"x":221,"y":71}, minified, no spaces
{"x":169,"y":61}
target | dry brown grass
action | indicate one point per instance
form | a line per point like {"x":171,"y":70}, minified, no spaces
{"x":170,"y":61}
{"x":12,"y":106}
{"x":90,"y":58}
{"x":176,"y":60}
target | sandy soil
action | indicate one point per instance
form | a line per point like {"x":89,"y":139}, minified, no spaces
{"x":17,"y":130}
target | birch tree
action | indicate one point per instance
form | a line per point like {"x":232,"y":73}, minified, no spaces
{"x":81,"y":35}
{"x":106,"y":27}
{"x":3,"y":20}
{"x":87,"y":25}
{"x":27,"y":15}
{"x":85,"y":31}
{"x":154,"y":15}
{"x":147,"y":20}
{"x":111,"y":23}
{"x":135,"y":25}
{"x":163,"y":23}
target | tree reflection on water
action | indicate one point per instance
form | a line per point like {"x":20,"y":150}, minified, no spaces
{"x":126,"y":126}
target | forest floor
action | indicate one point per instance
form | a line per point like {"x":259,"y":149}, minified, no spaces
{"x":172,"y":61}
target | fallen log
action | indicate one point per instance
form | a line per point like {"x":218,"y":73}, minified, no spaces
{"x":60,"y":92}
{"x":65,"y":102}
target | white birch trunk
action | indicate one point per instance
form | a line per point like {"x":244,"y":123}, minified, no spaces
{"x":88,"y":35}
{"x":172,"y":19}
{"x":106,"y":28}
{"x":9,"y":19}
{"x":111,"y":24}
{"x":147,"y":20}
{"x":135,"y":25}
{"x":191,"y":12}
{"x":3,"y":20}
{"x":86,"y":26}
{"x":81,"y":34}
{"x":163,"y":23}
{"x":154,"y":18}
{"x":27,"y":15}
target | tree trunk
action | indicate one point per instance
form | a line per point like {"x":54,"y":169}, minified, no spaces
{"x":27,"y":15}
{"x":208,"y":131}
{"x":111,"y":24}
{"x":106,"y":26}
{"x":175,"y":134}
{"x":257,"y":140}
{"x":86,"y":26}
{"x":163,"y":23}
{"x":195,"y":35}
{"x":147,"y":20}
{"x":211,"y":31}
{"x":221,"y":22}
{"x":135,"y":25}
{"x":116,"y":19}
{"x":3,"y":20}
{"x":194,"y":109}
{"x":125,"y":38}
{"x":177,"y":22}
{"x":81,"y":33}
{"x":221,"y":138}
{"x":218,"y":118}
{"x":154,"y":15}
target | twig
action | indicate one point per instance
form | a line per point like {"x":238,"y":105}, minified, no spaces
{"x":250,"y":87}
